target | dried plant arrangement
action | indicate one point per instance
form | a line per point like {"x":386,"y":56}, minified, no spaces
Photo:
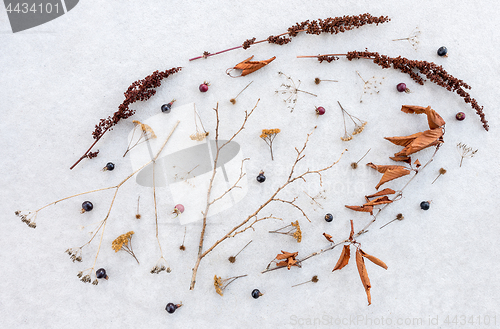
{"x":416,"y":70}
{"x":412,"y":38}
{"x":412,"y":144}
{"x":122,"y":242}
{"x":291,"y":88}
{"x":247,"y":223}
{"x":140,"y":90}
{"x":332,"y":25}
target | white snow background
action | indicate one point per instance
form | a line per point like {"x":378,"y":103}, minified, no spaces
{"x":58,"y":79}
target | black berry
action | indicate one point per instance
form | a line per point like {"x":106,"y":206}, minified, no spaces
{"x":442,"y":51}
{"x":171,"y":307}
{"x":165,"y":108}
{"x":109,"y":166}
{"x":87,"y":206}
{"x":261,"y":178}
{"x":460,"y":116}
{"x":328,"y":217}
{"x":425,"y":205}
{"x":256,"y":293}
{"x":101,"y":274}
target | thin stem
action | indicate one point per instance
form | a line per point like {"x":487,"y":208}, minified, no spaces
{"x":243,"y":248}
{"x":243,"y":89}
{"x":364,"y":156}
{"x":90,"y":148}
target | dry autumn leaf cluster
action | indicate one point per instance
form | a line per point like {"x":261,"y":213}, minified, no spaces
{"x":412,"y":144}
{"x":248,"y":66}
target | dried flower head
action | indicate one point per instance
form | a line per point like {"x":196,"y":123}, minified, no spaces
{"x":200,"y":134}
{"x":124,"y":242}
{"x":27,"y":218}
{"x":232,"y":259}
{"x":221,"y":284}
{"x":294,"y":232}
{"x":233,"y":100}
{"x":465,"y":151}
{"x":370,"y":86}
{"x":359,"y":125}
{"x":398,"y":217}
{"x":292,"y":89}
{"x":318,"y":80}
{"x":442,"y":171}
{"x":412,"y":38}
{"x":75,"y":254}
{"x":268,"y":135}
{"x":314,"y":279}
{"x":144,"y":133}
{"x":161,"y":266}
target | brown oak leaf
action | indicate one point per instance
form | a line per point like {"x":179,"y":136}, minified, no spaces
{"x":361,"y":208}
{"x":363,"y":275}
{"x":380,"y":193}
{"x":343,"y":259}
{"x":289,"y":259}
{"x":248,"y":66}
{"x":377,"y":201}
{"x":390,"y":172}
{"x":426,"y":139}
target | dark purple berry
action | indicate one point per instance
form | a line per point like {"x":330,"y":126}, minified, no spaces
{"x":261,"y":178}
{"x":442,"y":51}
{"x":328,"y":217}
{"x":171,"y":307}
{"x":101,"y":274}
{"x":165,"y":108}
{"x":460,"y":116}
{"x":204,"y":87}
{"x":401,"y":87}
{"x":109,"y":166}
{"x":425,"y":205}
{"x":256,"y":293}
{"x":320,"y":110}
{"x":87,"y":206}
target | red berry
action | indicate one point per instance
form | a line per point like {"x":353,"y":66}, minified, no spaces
{"x":460,"y":116}
{"x":320,"y":110}
{"x":401,"y":87}
{"x":178,"y":209}
{"x":204,"y":87}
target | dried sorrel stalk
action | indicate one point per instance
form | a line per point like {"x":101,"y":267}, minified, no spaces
{"x":140,"y":90}
{"x":430,"y":70}
{"x":332,"y":25}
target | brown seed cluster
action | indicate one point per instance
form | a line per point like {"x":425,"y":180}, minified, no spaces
{"x":332,"y":25}
{"x":328,"y":59}
{"x":140,"y":90}
{"x":415,"y":69}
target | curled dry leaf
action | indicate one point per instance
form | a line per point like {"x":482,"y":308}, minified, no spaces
{"x":328,"y":237}
{"x":343,"y":259}
{"x":248,"y":66}
{"x":425,"y":139}
{"x":390,"y":172}
{"x":417,"y":163}
{"x":402,"y":158}
{"x":403,"y":140}
{"x":433,"y":118}
{"x":363,"y":275}
{"x":378,"y":201}
{"x":373,"y":259}
{"x":289,"y":259}
{"x":361,"y":208}
{"x":351,"y":235}
{"x":385,"y":191}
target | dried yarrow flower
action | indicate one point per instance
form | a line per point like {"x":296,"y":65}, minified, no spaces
{"x":221,"y":284}
{"x":161,"y":266}
{"x":359,"y":125}
{"x":145,"y":133}
{"x":412,"y":38}
{"x":124,"y":242}
{"x":369,"y":86}
{"x":268,"y":135}
{"x":199,"y":135}
{"x":75,"y":254}
{"x":294,"y":232}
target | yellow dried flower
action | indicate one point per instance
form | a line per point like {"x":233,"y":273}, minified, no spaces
{"x":221,"y":284}
{"x":218,"y":285}
{"x":123,"y":242}
{"x":268,"y":135}
{"x":298,"y":233}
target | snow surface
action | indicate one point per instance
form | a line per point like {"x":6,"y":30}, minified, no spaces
{"x":60,"y":78}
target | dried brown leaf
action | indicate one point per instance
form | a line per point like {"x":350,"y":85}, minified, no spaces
{"x":433,"y":118}
{"x":417,"y":163}
{"x":428,"y":138}
{"x":377,"y":201}
{"x":285,"y":255}
{"x":344,"y":258}
{"x":361,"y":208}
{"x":391,"y":174}
{"x":373,"y":259}
{"x":403,"y":140}
{"x":328,"y":237}
{"x":383,"y":168}
{"x":248,"y":66}
{"x":363,"y":275}
{"x":383,"y":192}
